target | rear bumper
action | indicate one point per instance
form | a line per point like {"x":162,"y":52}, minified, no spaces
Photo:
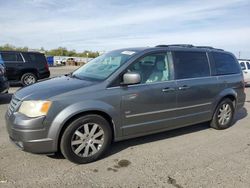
{"x":44,"y":75}
{"x":29,"y":134}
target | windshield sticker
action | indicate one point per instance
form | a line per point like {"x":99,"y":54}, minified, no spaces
{"x":128,"y":52}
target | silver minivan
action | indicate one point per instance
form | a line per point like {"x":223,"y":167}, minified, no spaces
{"x":124,"y":94}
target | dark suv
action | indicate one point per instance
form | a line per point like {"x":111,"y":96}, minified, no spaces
{"x":4,"y":85}
{"x":124,"y":94}
{"x":27,"y":67}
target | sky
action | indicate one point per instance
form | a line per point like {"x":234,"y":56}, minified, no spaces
{"x":103,"y":25}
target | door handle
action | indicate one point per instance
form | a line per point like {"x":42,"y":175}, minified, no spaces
{"x":183,"y":87}
{"x":168,"y":89}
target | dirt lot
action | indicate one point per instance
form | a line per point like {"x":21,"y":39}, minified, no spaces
{"x":196,"y":156}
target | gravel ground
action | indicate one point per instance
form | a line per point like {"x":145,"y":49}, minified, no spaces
{"x":195,"y":156}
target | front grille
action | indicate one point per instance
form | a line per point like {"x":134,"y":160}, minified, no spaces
{"x":14,"y":104}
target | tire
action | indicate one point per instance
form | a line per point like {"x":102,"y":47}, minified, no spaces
{"x":227,"y":114}
{"x":28,"y":79}
{"x":80,"y":144}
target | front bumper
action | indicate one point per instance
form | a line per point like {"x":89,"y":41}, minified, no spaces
{"x":29,"y":134}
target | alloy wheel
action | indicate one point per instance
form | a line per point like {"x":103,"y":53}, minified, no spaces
{"x":29,"y":79}
{"x":87,"y":140}
{"x":224,"y":114}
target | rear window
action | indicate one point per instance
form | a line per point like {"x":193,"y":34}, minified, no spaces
{"x":225,"y":64}
{"x":190,"y":64}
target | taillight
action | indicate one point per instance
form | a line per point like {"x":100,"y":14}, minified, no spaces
{"x":47,"y":66}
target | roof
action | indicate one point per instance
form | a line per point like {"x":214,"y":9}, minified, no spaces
{"x":185,"y":47}
{"x":243,"y":59}
{"x":18,"y":51}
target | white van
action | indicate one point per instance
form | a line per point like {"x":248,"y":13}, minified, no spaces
{"x":245,"y":66}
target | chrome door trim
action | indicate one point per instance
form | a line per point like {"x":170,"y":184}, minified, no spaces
{"x":166,"y":119}
{"x":167,"y":110}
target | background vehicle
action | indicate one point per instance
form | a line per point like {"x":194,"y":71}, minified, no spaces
{"x":245,"y":66}
{"x":124,"y":94}
{"x":27,"y":67}
{"x":4,"y":85}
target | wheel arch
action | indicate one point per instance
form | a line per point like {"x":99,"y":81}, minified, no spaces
{"x":68,"y":115}
{"x":24,"y":71}
{"x":228,"y":93}
{"x":90,"y":112}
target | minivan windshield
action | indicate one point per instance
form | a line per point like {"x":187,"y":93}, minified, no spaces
{"x":103,"y":66}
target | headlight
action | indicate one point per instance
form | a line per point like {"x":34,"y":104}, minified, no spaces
{"x":34,"y":108}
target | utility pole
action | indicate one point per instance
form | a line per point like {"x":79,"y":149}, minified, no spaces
{"x":239,"y":54}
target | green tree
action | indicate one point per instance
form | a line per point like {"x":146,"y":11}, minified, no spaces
{"x":60,"y":51}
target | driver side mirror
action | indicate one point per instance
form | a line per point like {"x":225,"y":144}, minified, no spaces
{"x":130,"y":78}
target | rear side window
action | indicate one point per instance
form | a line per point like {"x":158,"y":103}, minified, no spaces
{"x":36,"y":58}
{"x":190,"y":64}
{"x":11,"y":57}
{"x":225,"y":64}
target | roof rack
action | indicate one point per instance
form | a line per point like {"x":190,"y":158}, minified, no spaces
{"x":209,"y":47}
{"x":188,"y":46}
{"x":176,"y":45}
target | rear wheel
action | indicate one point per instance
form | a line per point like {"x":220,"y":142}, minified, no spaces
{"x":28,"y":79}
{"x":223,"y":115}
{"x":86,"y":139}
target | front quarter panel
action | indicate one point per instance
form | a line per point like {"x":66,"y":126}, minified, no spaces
{"x":81,"y":107}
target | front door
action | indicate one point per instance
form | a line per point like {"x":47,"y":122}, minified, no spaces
{"x":14,"y":63}
{"x":147,"y":107}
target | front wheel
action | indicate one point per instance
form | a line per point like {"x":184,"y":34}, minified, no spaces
{"x":86,"y":139}
{"x":223,"y":115}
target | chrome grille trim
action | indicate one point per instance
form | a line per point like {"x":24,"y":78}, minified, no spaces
{"x":14,"y":104}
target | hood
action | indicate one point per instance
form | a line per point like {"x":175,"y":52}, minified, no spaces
{"x":52,"y":87}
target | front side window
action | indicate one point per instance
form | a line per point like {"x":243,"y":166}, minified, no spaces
{"x":243,"y":66}
{"x":152,"y":68}
{"x":103,"y":66}
{"x":190,"y":64}
{"x":11,"y":57}
{"x":225,"y":64}
{"x":38,"y":58}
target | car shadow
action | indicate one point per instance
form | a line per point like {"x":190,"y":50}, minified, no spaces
{"x":241,"y":114}
{"x":15,"y":84}
{"x":5,"y":98}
